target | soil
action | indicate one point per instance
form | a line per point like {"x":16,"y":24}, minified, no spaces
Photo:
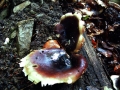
{"x":45,"y":15}
{"x":11,"y":75}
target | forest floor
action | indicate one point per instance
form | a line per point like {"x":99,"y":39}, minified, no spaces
{"x":45,"y":16}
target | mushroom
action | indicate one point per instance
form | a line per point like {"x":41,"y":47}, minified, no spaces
{"x":70,"y":30}
{"x":51,"y":44}
{"x":51,"y":66}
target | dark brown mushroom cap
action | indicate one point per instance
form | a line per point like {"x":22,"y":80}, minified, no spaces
{"x":70,"y":29}
{"x":51,"y":66}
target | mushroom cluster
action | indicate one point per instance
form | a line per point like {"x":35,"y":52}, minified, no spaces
{"x":58,"y":61}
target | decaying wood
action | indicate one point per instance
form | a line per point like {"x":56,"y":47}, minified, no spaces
{"x":96,"y":73}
